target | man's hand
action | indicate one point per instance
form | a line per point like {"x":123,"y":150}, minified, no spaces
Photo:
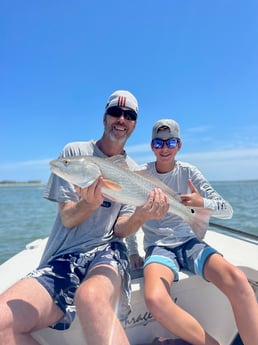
{"x":92,"y":195}
{"x":74,"y":213}
{"x":155,"y":207}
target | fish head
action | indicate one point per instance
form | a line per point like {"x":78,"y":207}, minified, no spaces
{"x":76,"y":170}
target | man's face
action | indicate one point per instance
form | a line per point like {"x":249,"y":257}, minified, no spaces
{"x":119,"y":128}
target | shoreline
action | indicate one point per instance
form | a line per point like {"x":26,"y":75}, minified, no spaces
{"x":14,"y":183}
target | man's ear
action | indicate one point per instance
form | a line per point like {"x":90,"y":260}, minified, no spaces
{"x":179,"y":145}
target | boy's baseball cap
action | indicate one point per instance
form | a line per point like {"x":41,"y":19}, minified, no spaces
{"x":172,"y":131}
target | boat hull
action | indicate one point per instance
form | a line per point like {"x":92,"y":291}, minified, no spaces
{"x":203,"y":300}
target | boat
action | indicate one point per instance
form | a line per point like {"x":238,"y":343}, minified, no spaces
{"x":203,"y":300}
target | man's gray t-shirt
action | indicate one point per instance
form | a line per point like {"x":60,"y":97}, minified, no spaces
{"x":96,"y":230}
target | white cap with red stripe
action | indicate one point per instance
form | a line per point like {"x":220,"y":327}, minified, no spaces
{"x":123,"y":99}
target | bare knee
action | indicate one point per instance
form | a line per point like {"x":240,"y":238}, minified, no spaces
{"x":236,"y":284}
{"x":155,"y":301}
{"x":87,"y":295}
{"x":102,"y":287}
{"x":91,"y":298}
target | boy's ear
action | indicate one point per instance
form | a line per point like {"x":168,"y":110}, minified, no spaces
{"x":180,"y":145}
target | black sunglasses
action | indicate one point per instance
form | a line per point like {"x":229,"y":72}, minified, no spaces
{"x":128,"y":114}
{"x":159,"y":143}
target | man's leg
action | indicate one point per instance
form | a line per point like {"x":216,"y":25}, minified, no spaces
{"x":96,"y":301}
{"x":25,"y":307}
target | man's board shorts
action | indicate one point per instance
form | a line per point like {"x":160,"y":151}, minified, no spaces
{"x":63,"y":275}
{"x":191,"y":255}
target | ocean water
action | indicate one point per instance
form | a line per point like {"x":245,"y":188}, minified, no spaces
{"x":25,"y":215}
{"x":243,"y":197}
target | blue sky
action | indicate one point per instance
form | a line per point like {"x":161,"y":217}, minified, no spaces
{"x":193,"y":61}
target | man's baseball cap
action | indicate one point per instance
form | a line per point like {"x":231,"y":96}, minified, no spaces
{"x":122,"y":99}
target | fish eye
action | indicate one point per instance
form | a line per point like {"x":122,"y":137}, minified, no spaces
{"x":66,"y":161}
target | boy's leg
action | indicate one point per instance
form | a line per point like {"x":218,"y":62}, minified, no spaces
{"x":157,"y":281}
{"x":234,"y":284}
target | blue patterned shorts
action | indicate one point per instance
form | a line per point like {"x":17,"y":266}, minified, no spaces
{"x":62,"y":276}
{"x":191,"y":255}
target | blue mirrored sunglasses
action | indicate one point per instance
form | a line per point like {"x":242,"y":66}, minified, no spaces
{"x":159,"y":143}
{"x":128,"y":114}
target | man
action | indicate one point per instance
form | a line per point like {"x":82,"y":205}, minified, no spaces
{"x":170,"y":244}
{"x":84,"y":267}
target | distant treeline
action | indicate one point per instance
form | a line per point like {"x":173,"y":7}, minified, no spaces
{"x":18,"y":182}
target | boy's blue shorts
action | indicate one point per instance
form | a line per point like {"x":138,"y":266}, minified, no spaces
{"x":191,"y":255}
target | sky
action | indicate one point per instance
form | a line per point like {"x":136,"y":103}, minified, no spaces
{"x":193,"y":61}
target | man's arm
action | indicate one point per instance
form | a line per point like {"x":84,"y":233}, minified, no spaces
{"x":155,"y":207}
{"x":74,"y":213}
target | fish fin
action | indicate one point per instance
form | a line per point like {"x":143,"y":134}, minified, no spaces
{"x":200,"y":222}
{"x":155,"y":180}
{"x":111,"y":184}
{"x":119,"y":160}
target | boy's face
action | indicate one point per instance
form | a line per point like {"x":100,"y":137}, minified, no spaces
{"x":165,"y":149}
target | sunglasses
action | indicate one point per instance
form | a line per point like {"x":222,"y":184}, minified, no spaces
{"x":128,"y":114}
{"x":159,"y":143}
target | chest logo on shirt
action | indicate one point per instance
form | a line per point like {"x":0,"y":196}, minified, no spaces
{"x":106,"y":204}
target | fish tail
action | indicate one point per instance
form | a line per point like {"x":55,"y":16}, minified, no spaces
{"x":200,"y":222}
